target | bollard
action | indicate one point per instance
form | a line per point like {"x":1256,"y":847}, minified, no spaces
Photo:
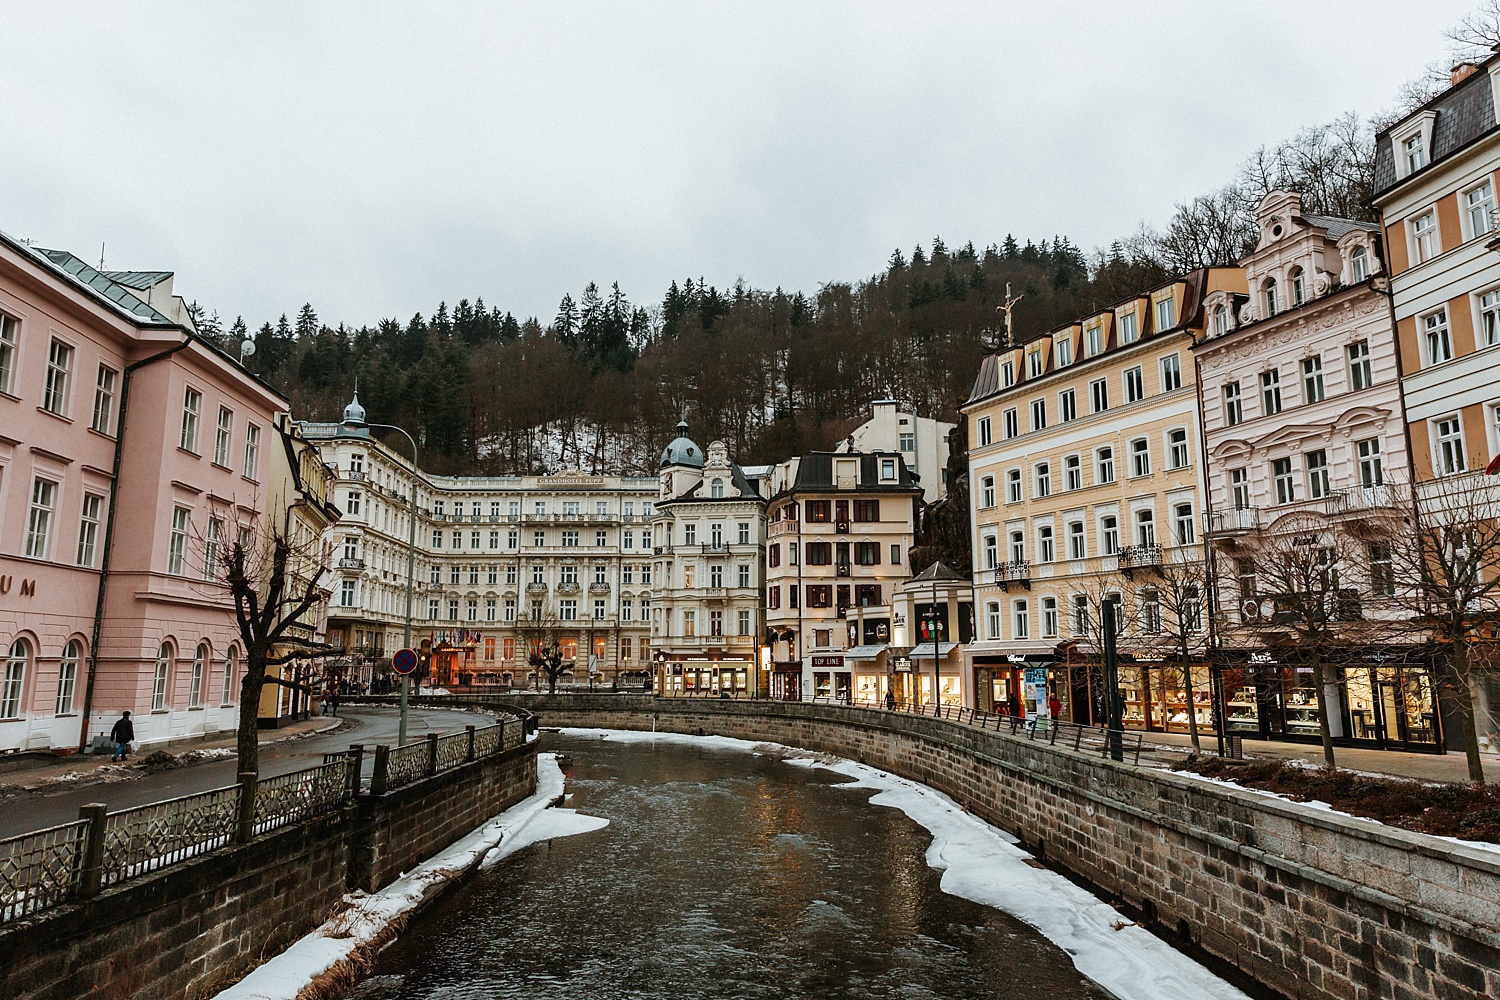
{"x":378,"y":778}
{"x":470,"y":731}
{"x":431,"y":754}
{"x":245,"y":829}
{"x":92,"y":877}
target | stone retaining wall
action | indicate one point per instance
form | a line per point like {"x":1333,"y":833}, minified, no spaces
{"x":189,"y":930}
{"x":1309,"y":903}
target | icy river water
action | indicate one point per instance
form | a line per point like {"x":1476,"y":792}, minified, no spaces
{"x":720,"y":874}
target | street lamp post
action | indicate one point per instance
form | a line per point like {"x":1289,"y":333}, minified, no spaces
{"x":411,"y":551}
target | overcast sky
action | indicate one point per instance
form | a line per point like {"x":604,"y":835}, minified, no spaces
{"x":376,"y":159}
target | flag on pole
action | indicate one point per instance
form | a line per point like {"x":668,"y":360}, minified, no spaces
{"x":1493,"y":468}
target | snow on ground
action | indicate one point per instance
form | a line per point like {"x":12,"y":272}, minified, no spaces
{"x":366,"y":916}
{"x":984,"y":864}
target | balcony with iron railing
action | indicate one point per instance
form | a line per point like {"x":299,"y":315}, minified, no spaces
{"x":1233,"y":521}
{"x":351,"y":563}
{"x":1359,"y":501}
{"x":353,"y":475}
{"x":569,"y":587}
{"x":599,"y":587}
{"x":1134,"y":557}
{"x":1016,"y":571}
{"x":536,"y":588}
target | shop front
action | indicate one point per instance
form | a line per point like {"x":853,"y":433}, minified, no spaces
{"x":699,"y":678}
{"x":870,"y":670}
{"x":942,"y":667}
{"x":1000,"y":680}
{"x":832,"y":677}
{"x":1386,"y":701}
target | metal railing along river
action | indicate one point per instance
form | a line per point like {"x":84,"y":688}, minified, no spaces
{"x":46,"y":868}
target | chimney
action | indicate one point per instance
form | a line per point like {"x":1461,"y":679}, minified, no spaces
{"x":1462,"y":72}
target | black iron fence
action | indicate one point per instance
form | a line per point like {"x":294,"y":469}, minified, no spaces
{"x":46,"y":868}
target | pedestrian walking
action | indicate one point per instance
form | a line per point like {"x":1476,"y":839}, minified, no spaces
{"x":1013,"y":706}
{"x":890,"y":701}
{"x":1054,"y":707}
{"x":122,"y":736}
{"x":333,"y":702}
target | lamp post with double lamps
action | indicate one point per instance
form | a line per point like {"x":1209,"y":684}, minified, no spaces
{"x":354,"y":416}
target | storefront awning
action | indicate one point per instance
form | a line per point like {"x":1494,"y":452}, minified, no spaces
{"x":989,"y":647}
{"x":864,"y":652}
{"x":924,"y":651}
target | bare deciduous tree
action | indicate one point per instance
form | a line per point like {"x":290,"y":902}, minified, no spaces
{"x":275,"y":584}
{"x":1446,"y":564}
{"x":1171,"y":626}
{"x":1312,"y":614}
{"x":543,"y":638}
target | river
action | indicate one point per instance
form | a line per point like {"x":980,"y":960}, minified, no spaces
{"x":721,"y":874}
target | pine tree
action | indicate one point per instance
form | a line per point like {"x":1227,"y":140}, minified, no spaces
{"x":918,"y":258}
{"x":565,"y":326}
{"x":307,"y":323}
{"x":897,"y":262}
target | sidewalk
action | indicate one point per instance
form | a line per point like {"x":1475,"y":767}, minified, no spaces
{"x":80,"y":768}
{"x":1450,"y":766}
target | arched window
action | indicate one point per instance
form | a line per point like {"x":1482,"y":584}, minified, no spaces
{"x":15,"y":677}
{"x":227,"y":697}
{"x":716,"y":490}
{"x":1359,"y":265}
{"x":1221,"y":321}
{"x":1299,"y":287}
{"x":159,"y":682}
{"x":200,"y":664}
{"x":67,"y":676}
{"x":1268,"y":294}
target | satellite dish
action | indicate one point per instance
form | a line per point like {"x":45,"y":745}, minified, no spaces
{"x":247,"y":348}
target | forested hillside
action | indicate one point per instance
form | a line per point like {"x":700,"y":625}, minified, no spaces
{"x":600,"y":385}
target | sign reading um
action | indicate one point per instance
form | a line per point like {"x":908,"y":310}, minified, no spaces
{"x":28,"y":587}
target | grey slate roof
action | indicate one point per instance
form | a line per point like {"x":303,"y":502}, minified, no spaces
{"x":1465,"y":113}
{"x":1339,"y":228}
{"x":815,"y":473}
{"x":102,"y":283}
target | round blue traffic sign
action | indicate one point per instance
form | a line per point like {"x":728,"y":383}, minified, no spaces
{"x":404,"y":661}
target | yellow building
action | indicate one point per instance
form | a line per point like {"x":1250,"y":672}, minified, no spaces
{"x":1085,"y":485}
{"x":299,"y":506}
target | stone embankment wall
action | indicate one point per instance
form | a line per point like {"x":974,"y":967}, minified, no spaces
{"x":194,"y":928}
{"x":1309,"y":903}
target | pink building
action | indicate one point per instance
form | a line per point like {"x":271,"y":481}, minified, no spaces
{"x":131,"y":452}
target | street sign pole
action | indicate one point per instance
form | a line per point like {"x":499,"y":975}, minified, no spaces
{"x":1115,"y":736}
{"x":404,"y":662}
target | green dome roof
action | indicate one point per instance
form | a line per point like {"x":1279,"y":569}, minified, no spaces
{"x":682,"y":450}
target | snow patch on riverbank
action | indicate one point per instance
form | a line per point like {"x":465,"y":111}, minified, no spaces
{"x":984,"y":864}
{"x":366,"y":918}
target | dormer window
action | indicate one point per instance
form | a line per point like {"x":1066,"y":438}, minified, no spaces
{"x":1221,"y":320}
{"x":1007,"y":374}
{"x":1034,"y":362}
{"x":1414,"y":152}
{"x":1299,"y":286}
{"x":1166,"y":313}
{"x":1094,"y":339}
{"x":1063,"y":351}
{"x":716,"y":489}
{"x":1268,"y":296}
{"x":1411,"y":144}
{"x":1128,"y":328}
{"x":1359,"y":265}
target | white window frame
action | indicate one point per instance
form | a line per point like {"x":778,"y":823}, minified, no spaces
{"x":40,"y":515}
{"x":1437,"y":336}
{"x":177,"y":541}
{"x":105,"y":384}
{"x":1422,"y":233}
{"x":1104,"y":465}
{"x":1072,"y":472}
{"x":252,"y":450}
{"x":1171,"y":372}
{"x":1361,"y":371}
{"x":1020,"y":618}
{"x":1067,"y":405}
{"x":1234,"y":404}
{"x":91,"y":513}
{"x":1450,"y":455}
{"x":1487,"y":308}
{"x":1313,"y":390}
{"x":1140,"y":457}
{"x":192,"y":407}
{"x":1480,"y":224}
{"x":1359,"y":264}
{"x":1013,"y":486}
{"x":1270,"y":392}
{"x":1129,"y":327}
{"x":1179,"y":452}
{"x":10,"y":345}
{"x":1098,"y":395}
{"x":1165,"y":307}
{"x":223,"y":433}
{"x":1134,"y":381}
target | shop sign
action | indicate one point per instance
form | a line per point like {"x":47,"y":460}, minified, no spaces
{"x":827,"y":661}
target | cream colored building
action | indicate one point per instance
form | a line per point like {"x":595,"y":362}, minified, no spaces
{"x":570,"y":550}
{"x":921,"y":441}
{"x":706,"y":615}
{"x":1085,"y":480}
{"x":839,"y":527}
